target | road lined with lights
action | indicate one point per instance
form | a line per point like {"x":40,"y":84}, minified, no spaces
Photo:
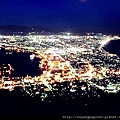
{"x":55,"y":68}
{"x":44,"y":78}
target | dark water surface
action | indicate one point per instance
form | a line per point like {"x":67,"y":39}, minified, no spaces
{"x":21,"y":63}
{"x":113,"y":47}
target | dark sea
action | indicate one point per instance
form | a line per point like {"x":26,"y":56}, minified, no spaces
{"x":113,"y":46}
{"x":20,"y":62}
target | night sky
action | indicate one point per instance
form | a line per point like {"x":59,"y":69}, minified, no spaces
{"x":83,"y":14}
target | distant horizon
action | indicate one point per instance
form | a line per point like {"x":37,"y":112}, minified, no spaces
{"x":84,"y":15}
{"x":10,"y":28}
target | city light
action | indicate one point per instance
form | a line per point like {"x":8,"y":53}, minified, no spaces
{"x":74,"y":62}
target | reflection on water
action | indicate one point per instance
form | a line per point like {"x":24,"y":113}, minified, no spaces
{"x":20,"y":62}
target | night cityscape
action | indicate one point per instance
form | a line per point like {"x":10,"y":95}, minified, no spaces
{"x":60,"y":58}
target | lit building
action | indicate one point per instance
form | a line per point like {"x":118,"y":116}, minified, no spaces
{"x":5,"y":70}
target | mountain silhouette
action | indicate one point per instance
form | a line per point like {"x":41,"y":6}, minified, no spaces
{"x":11,"y":29}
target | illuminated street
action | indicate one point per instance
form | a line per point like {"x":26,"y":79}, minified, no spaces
{"x":71,"y":67}
{"x":60,"y":59}
{"x":78,"y":62}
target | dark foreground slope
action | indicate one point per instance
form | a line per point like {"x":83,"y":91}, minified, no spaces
{"x":15,"y":104}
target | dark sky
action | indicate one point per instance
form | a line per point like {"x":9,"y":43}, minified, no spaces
{"x":88,"y":14}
